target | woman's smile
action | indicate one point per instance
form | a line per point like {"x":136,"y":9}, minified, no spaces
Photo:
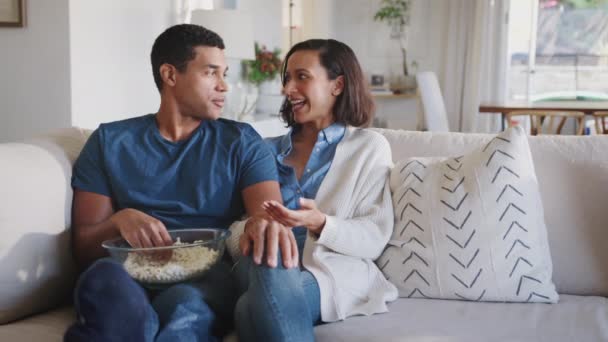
{"x":297,"y":105}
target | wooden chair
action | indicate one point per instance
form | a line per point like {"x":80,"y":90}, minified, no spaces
{"x":600,"y":122}
{"x":538,"y":118}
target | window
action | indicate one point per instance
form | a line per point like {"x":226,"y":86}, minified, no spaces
{"x":558,"y":50}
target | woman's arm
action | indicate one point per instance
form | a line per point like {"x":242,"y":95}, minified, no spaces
{"x":363,"y":185}
{"x":366,"y":233}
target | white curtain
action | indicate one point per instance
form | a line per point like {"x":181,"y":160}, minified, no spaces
{"x":474,"y":62}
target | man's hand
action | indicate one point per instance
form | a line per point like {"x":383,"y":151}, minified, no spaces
{"x":308,"y":216}
{"x":141,"y":230}
{"x":265,"y":234}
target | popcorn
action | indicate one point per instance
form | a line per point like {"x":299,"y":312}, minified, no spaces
{"x":184,"y":264}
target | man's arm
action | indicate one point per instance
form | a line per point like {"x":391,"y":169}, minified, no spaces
{"x":261,"y":233}
{"x":94,"y":221}
{"x":91,"y":226}
{"x":255,"y":195}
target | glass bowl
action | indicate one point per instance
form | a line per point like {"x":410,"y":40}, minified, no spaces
{"x":194,"y":251}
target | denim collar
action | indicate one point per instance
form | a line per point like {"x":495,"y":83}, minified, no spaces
{"x":332,"y":133}
{"x":329,"y":134}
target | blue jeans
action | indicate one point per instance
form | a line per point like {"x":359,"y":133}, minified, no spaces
{"x":111,"y":306}
{"x":278,"y":304}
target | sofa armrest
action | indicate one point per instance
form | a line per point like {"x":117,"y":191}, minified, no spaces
{"x":36,"y":267}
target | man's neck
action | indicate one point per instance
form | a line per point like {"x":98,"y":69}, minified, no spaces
{"x":173,"y":125}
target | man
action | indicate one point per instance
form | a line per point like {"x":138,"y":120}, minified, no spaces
{"x":179,"y":168}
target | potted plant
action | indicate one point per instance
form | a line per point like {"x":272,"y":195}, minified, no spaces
{"x":265,"y":66}
{"x":263,"y":72}
{"x":396,"y":13}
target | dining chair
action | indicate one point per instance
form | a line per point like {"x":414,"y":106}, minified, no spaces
{"x":433,"y":116}
{"x":543,"y":121}
{"x":601,"y":121}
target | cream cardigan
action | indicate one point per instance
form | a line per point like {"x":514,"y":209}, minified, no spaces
{"x":356,"y":198}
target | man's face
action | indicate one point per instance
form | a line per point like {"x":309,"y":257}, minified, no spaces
{"x":200,"y":89}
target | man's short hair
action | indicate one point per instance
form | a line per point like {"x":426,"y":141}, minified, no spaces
{"x":176,"y":46}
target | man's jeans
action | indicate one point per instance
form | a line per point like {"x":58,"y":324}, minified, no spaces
{"x":111,"y":306}
{"x":278,"y":304}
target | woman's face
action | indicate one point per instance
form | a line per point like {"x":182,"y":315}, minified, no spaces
{"x":311,"y":94}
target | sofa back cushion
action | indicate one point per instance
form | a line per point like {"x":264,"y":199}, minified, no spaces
{"x":36,"y":268}
{"x":572,"y":173}
{"x":470,"y":227}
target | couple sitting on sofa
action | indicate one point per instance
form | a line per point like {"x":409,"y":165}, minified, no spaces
{"x":306,"y":253}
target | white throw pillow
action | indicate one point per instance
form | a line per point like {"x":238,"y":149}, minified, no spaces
{"x":470,"y":227}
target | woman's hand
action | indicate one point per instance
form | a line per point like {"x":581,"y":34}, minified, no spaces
{"x":308,"y":216}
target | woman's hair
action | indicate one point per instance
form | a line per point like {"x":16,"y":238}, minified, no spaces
{"x":354,"y":106}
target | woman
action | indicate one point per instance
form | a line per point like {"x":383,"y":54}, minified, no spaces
{"x":334,"y":183}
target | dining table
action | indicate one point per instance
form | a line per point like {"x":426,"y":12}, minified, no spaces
{"x":502,"y":108}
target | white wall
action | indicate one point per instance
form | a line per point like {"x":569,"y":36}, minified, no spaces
{"x":86,"y":62}
{"x":110,"y":51}
{"x":111,"y":41}
{"x":351,"y":21}
{"x":82,"y":63}
{"x":266,"y":20}
{"x":35,"y":75}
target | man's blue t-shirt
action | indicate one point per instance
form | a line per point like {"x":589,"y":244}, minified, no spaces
{"x":192,"y":183}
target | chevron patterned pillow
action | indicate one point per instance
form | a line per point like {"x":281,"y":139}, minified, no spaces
{"x":470,"y":227}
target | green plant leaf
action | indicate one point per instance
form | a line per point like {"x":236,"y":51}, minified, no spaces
{"x":265,"y":66}
{"x":393,"y":10}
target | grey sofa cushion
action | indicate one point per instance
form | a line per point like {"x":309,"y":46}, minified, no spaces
{"x":574,"y":318}
{"x":49,"y":326}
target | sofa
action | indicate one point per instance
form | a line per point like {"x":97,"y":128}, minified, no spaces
{"x":37,"y":274}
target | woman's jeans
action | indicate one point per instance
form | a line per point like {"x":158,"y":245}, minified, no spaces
{"x":111,"y":306}
{"x":278,"y":304}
